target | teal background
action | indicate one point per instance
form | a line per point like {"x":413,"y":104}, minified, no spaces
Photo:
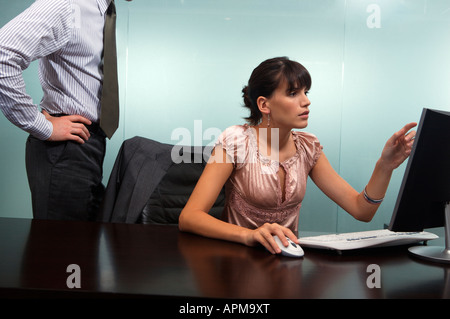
{"x":374,"y":64}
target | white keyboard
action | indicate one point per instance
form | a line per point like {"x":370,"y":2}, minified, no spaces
{"x":365,"y":239}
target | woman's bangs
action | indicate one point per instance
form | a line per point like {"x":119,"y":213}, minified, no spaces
{"x":297,"y":77}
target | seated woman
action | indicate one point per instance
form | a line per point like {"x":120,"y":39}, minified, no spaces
{"x":264,"y":165}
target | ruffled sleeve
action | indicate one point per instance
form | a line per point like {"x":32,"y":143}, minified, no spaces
{"x":234,"y":140}
{"x":308,"y":144}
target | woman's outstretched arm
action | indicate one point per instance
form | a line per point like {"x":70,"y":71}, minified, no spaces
{"x":363,"y":205}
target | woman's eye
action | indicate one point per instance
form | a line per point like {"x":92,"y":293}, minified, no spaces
{"x":296,"y":92}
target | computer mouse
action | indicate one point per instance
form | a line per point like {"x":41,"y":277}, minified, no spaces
{"x":292,"y":250}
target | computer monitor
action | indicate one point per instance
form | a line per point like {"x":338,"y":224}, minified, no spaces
{"x":424,"y":196}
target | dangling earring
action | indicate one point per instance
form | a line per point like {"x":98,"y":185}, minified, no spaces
{"x":268,"y":120}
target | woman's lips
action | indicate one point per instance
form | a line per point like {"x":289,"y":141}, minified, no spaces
{"x":304,"y":114}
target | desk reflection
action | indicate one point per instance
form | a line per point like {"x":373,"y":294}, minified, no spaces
{"x":159,"y":261}
{"x":51,"y":246}
{"x":224,"y":269}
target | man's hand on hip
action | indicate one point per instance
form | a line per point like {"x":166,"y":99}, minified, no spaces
{"x":68,"y":128}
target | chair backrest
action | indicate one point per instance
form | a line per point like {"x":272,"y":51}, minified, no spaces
{"x":173,"y":191}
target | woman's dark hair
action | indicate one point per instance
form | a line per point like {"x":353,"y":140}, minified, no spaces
{"x":267,"y":76}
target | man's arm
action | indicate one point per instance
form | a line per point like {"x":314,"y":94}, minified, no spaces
{"x":41,"y":29}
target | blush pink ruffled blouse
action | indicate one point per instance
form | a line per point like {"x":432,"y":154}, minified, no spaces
{"x":253,"y":191}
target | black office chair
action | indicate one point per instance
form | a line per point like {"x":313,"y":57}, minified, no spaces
{"x":152,"y":181}
{"x":173,"y":191}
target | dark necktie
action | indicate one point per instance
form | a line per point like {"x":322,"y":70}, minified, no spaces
{"x":109,"y":103}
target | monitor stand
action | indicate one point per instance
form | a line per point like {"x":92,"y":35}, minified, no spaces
{"x":436,"y":253}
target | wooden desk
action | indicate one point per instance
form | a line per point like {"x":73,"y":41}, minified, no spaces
{"x":121,"y":261}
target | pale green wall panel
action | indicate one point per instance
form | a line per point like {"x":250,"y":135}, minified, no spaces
{"x":393,"y":69}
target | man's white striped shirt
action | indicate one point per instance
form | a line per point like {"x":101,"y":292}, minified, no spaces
{"x":67,"y":38}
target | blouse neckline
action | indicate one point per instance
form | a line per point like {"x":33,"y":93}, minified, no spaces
{"x":266,"y":160}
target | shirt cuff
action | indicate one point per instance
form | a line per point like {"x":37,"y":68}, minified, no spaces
{"x":42,"y":128}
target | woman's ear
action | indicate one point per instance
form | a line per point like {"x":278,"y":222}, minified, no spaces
{"x":263,"y":105}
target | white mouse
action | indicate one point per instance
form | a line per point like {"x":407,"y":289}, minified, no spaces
{"x":292,"y":250}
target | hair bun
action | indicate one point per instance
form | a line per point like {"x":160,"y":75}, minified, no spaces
{"x":245,"y":95}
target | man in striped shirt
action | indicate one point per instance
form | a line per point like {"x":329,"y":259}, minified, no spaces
{"x":66,"y":146}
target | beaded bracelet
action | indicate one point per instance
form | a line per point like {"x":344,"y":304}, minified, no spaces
{"x":370,"y":200}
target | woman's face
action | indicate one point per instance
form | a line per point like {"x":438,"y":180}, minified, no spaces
{"x":289,"y":108}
